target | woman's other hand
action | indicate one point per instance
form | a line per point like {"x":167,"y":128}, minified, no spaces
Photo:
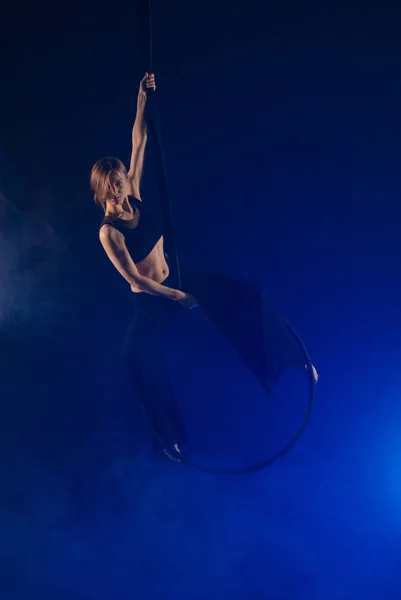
{"x":188,"y":301}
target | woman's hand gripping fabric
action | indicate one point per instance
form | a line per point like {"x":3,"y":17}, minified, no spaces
{"x":147,"y":83}
{"x":188,"y":301}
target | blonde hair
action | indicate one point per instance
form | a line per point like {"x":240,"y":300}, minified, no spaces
{"x":100,"y":177}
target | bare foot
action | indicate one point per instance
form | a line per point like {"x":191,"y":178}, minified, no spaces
{"x":315,"y":373}
{"x":171,"y":454}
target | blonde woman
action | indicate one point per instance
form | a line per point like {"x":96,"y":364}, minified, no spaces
{"x":133,"y":241}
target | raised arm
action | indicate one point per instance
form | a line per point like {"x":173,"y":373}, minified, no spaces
{"x":139,"y":136}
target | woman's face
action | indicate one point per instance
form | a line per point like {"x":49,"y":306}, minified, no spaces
{"x":118,"y":189}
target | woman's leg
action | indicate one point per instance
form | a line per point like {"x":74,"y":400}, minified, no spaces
{"x":143,"y":361}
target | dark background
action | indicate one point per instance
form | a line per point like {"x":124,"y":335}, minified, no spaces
{"x":281,"y":129}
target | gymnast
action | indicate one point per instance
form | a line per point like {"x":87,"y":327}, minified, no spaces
{"x":133,"y":241}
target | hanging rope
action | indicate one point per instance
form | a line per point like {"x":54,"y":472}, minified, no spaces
{"x":154,"y":124}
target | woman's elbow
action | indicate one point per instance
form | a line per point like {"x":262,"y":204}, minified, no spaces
{"x":135,"y":280}
{"x":135,"y":288}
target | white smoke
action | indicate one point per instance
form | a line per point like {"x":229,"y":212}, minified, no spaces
{"x":30,"y":251}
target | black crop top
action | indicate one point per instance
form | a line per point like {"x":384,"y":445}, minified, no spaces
{"x":140,"y":237}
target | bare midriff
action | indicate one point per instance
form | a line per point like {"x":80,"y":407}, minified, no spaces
{"x":154,"y":266}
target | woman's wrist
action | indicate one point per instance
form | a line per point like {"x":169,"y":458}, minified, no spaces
{"x":142,"y":97}
{"x":178,"y":295}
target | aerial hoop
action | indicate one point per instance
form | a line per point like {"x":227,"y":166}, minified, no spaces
{"x":182,"y":457}
{"x":153,"y":120}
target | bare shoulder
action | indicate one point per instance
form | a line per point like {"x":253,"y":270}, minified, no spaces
{"x":109,"y":234}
